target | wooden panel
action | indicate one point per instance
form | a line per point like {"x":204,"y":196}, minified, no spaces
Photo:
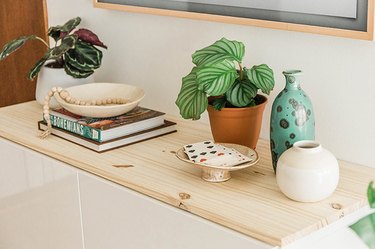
{"x":250,"y":202}
{"x":20,"y":17}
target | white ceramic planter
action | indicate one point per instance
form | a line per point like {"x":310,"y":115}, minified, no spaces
{"x":50,"y":77}
{"x":307,"y":172}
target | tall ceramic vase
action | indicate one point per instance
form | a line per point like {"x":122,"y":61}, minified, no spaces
{"x":50,"y":77}
{"x":292,"y":117}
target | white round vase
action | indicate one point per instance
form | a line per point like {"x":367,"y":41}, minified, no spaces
{"x":307,"y":172}
{"x":50,"y":77}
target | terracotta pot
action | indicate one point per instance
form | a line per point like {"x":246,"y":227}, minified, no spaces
{"x":237,"y":125}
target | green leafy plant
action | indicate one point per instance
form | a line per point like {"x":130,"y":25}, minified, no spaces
{"x":365,"y":227}
{"x":215,"y":75}
{"x":73,"y":50}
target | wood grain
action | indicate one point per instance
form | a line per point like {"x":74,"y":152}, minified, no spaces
{"x":250,"y":202}
{"x":18,"y":18}
{"x":368,"y":35}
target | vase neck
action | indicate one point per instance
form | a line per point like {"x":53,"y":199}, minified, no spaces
{"x":307,"y":146}
{"x":292,"y":79}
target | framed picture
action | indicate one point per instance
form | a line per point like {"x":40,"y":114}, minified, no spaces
{"x":346,"y":18}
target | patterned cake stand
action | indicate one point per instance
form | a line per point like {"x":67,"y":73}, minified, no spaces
{"x":213,"y":173}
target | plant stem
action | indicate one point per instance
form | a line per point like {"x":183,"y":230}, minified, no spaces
{"x":241,"y":71}
{"x":40,"y":39}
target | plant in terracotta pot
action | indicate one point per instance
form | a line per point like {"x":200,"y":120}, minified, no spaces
{"x":73,"y":50}
{"x":229,"y":91}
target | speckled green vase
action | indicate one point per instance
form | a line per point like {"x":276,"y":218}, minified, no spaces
{"x":292,"y":117}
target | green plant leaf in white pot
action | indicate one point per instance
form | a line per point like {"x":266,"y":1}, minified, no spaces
{"x":74,"y":51}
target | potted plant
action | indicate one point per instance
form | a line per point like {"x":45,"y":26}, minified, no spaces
{"x":74,"y":51}
{"x":230,"y":94}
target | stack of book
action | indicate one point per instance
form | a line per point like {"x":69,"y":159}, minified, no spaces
{"x":101,"y":134}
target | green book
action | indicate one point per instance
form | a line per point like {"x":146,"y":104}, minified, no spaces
{"x":104,"y":129}
{"x":166,"y":128}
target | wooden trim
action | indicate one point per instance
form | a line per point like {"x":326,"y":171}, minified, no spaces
{"x":18,"y":18}
{"x":45,"y":11}
{"x":252,"y":22}
{"x":370,"y":20}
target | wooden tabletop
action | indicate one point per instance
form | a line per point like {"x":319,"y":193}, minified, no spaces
{"x":250,"y":202}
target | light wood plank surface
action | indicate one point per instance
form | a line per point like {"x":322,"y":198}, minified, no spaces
{"x":250,"y":202}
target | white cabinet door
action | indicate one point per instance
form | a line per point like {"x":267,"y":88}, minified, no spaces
{"x":115,"y":217}
{"x":39,"y":201}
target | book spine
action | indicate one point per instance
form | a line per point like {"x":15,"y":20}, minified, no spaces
{"x":76,"y":128}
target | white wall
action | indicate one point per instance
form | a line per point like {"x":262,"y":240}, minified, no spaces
{"x":154,"y":52}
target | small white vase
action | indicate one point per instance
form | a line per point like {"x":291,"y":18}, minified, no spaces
{"x":50,"y":77}
{"x":307,"y":172}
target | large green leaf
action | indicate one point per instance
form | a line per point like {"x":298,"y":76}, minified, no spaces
{"x":219,"y":103}
{"x":262,"y":77}
{"x":67,"y":43}
{"x":36,"y":68}
{"x":221,"y":50}
{"x":84,"y":56}
{"x":216,"y":79}
{"x":55,"y":53}
{"x":371,"y":194}
{"x":75,"y":72}
{"x":241,"y":93}
{"x":14,"y":45}
{"x":55,"y":32}
{"x":191,"y":101}
{"x":365,"y":229}
{"x":71,"y":24}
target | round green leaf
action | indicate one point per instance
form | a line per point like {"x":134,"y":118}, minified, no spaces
{"x":55,"y":31}
{"x":262,"y":77}
{"x":241,"y":93}
{"x":221,"y":50}
{"x":371,"y":194}
{"x":84,"y":56}
{"x":219,"y":103}
{"x":67,"y":43}
{"x":365,"y":229}
{"x":38,"y":65}
{"x":14,"y":45}
{"x":75,"y":72}
{"x":191,"y":101}
{"x":216,"y":79}
{"x":71,"y":24}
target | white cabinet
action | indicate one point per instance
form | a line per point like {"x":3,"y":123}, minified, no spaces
{"x":46,"y":204}
{"x":39,"y":201}
{"x":115,"y":217}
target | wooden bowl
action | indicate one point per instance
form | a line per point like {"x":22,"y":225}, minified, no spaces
{"x":96,"y":91}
